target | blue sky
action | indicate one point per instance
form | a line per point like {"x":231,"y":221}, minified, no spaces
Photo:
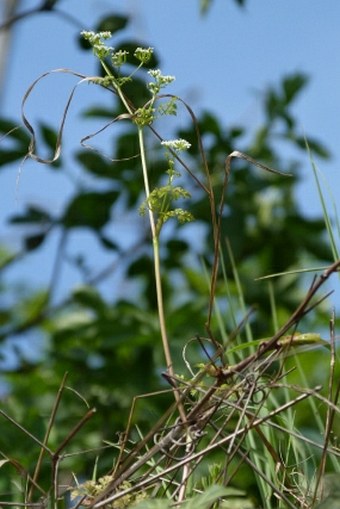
{"x":222,"y":62}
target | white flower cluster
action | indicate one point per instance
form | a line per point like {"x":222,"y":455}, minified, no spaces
{"x":177,"y":145}
{"x":161,"y":81}
{"x":143,"y":54}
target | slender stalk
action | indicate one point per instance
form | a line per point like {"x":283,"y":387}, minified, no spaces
{"x":155,"y":231}
{"x":160,"y":302}
{"x":158,"y":279}
{"x":155,"y":243}
{"x":157,"y":268}
{"x":47,"y":435}
{"x":161,"y":313}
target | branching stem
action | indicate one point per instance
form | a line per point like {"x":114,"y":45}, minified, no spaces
{"x":155,"y":244}
{"x":158,"y":279}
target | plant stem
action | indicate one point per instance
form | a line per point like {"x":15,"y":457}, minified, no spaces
{"x":157,"y":268}
{"x":155,"y":244}
{"x":158,"y":279}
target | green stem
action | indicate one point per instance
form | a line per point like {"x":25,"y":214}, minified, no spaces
{"x":117,"y":88}
{"x":154,"y":232}
{"x":155,"y":243}
{"x":158,"y":279}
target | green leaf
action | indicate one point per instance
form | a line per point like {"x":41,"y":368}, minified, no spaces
{"x":206,"y":4}
{"x":207,"y":498}
{"x":33,"y":215}
{"x":108,"y":243}
{"x":33,"y":241}
{"x":91,"y":210}
{"x":14,"y":131}
{"x":89,"y":297}
{"x":142,"y":266}
{"x":292,"y":86}
{"x":96,"y":164}
{"x":177,"y":248}
{"x":274,"y":105}
{"x":112,"y":24}
{"x":49,"y":135}
{"x":98,"y":112}
{"x":314,"y":145}
{"x":9,"y":156}
{"x":277,"y":102}
{"x":236,"y":132}
{"x":126,"y":149}
{"x":209,"y":124}
{"x":5,"y":316}
{"x":32,"y":307}
{"x":6,"y":257}
{"x":48,"y":5}
{"x":196,"y":280}
{"x":84,"y":43}
{"x":50,"y":138}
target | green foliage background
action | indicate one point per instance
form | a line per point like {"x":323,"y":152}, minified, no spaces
{"x":111,"y":348}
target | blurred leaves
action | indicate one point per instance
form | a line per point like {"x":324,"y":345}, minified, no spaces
{"x":204,"y":500}
{"x":278,"y":100}
{"x":91,"y":210}
{"x":34,"y":215}
{"x":314,"y":145}
{"x":6,"y":257}
{"x":113,"y":23}
{"x":16,"y":139}
{"x":49,"y":137}
{"x":206,"y":4}
{"x":110,"y":344}
{"x":39,"y":220}
{"x":331,"y":492}
{"x":96,"y":164}
{"x":261,"y":219}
